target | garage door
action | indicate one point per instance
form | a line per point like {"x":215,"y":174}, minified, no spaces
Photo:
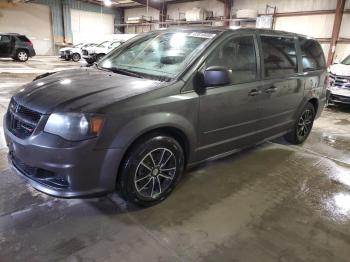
{"x":91,"y":26}
{"x":24,"y":19}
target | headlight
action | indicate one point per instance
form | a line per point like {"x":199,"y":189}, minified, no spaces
{"x":74,"y":126}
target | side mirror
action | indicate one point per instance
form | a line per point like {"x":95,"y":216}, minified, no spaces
{"x":216,"y":76}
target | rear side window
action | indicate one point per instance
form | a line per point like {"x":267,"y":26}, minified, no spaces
{"x":238,"y":55}
{"x":23,"y":38}
{"x":312,"y":55}
{"x":5,"y":38}
{"x":279,"y":56}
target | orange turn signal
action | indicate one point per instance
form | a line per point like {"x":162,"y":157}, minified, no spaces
{"x":96,"y":125}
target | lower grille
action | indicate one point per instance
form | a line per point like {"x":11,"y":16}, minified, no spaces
{"x":21,"y":121}
{"x":40,"y":175}
{"x":340,"y":81}
{"x":338,"y":98}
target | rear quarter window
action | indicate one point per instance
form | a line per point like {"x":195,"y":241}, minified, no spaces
{"x":23,"y":38}
{"x":311,"y":54}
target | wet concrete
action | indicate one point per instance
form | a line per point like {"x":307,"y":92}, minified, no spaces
{"x":275,"y":202}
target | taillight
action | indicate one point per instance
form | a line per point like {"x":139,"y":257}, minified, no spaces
{"x":29,"y":43}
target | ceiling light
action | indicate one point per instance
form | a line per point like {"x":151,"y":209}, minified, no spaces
{"x":107,"y":2}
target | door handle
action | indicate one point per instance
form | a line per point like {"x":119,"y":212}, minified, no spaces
{"x":254,"y":92}
{"x":272,"y":89}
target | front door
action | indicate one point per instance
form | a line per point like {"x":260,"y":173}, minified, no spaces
{"x":5,"y":46}
{"x":228,"y":114}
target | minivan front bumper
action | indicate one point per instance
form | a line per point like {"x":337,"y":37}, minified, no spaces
{"x":61,"y":168}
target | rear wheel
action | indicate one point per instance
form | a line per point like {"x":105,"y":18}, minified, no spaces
{"x":303,"y":125}
{"x":151,"y":170}
{"x":22,"y":55}
{"x":76,"y":57}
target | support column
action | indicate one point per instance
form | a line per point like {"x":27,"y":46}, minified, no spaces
{"x":336,"y":28}
{"x":227,"y":11}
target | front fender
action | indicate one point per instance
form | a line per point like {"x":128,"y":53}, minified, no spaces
{"x":146,"y":123}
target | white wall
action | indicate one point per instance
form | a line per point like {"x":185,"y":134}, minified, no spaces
{"x":33,"y":20}
{"x":139,"y":12}
{"x":210,"y":5}
{"x":91,"y":26}
{"x":318,"y":26}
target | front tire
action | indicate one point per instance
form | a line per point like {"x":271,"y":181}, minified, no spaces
{"x":76,"y":57}
{"x":151,"y":170}
{"x":303,"y":126}
{"x":22,"y":55}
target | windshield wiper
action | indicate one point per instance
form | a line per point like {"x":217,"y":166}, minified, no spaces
{"x":124,"y":72}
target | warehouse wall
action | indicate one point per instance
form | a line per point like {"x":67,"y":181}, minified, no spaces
{"x":318,"y":26}
{"x":217,"y":7}
{"x":25,"y":19}
{"x":138,"y":12}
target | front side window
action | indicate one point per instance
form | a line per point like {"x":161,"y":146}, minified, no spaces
{"x":162,"y":55}
{"x":5,"y":38}
{"x":237,"y":55}
{"x":312,"y":55}
{"x":279,"y":56}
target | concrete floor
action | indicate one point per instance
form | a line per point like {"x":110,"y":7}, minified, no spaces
{"x":275,"y":202}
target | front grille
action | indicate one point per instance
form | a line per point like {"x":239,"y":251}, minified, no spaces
{"x":40,"y":175}
{"x":21,"y":121}
{"x":342,"y":99}
{"x":339,"y":81}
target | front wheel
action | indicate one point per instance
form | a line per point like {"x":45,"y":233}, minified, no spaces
{"x":303,"y":126}
{"x":76,"y":57}
{"x":151,"y":170}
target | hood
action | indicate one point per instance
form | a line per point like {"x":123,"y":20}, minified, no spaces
{"x":64,"y":49}
{"x":98,"y":50}
{"x":81,"y":90}
{"x":340,"y":69}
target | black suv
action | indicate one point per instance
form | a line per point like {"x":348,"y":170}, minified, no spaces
{"x":16,"y":46}
{"x":160,"y":102}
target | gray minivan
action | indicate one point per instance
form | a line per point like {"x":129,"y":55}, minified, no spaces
{"x":163,"y":101}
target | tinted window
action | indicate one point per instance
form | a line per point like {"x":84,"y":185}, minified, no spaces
{"x":23,"y":38}
{"x":5,"y":38}
{"x":238,"y":55}
{"x":312,"y":55}
{"x":279,"y":56}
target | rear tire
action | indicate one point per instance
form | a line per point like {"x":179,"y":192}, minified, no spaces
{"x":22,"y":55}
{"x":151,"y":170}
{"x":303,"y":126}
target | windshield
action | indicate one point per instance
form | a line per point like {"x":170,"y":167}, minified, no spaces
{"x":160,"y":55}
{"x":115,"y":44}
{"x":346,"y":61}
{"x":104,"y":44}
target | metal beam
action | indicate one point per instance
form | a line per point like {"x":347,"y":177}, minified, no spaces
{"x":227,"y":11}
{"x":151,"y":3}
{"x":336,"y":28}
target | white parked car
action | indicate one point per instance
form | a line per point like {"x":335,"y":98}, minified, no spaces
{"x":94,"y":54}
{"x":76,"y":53}
{"x":339,"y":82}
{"x":62,"y":51}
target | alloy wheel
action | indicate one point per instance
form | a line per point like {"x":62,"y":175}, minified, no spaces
{"x":155,"y":173}
{"x":305,"y":124}
{"x":22,"y":56}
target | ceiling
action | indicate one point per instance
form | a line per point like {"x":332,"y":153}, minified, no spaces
{"x":136,"y":3}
